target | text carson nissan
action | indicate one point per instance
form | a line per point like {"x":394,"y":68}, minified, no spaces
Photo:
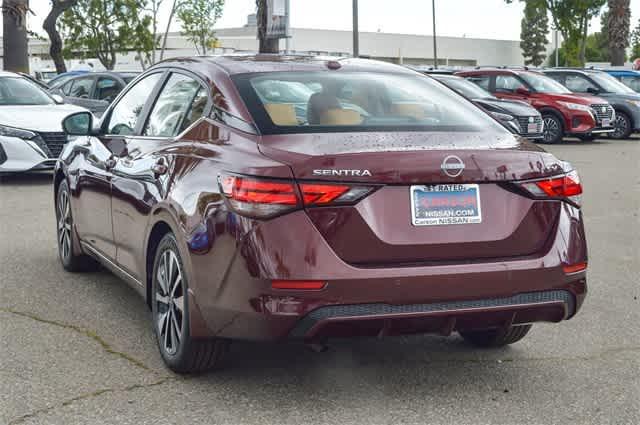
{"x":199,"y":187}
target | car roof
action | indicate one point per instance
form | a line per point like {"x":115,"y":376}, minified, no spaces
{"x":9,"y":74}
{"x":622,"y":72}
{"x":250,"y":63}
{"x":499,"y":70}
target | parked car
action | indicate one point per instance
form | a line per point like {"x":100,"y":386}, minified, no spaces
{"x":625,"y":101}
{"x":629,"y":78}
{"x":235,"y":219}
{"x":95,"y":90}
{"x":519,"y":117}
{"x":563,"y":113}
{"x":65,"y":76}
{"x":31,"y":135}
{"x":45,"y":75}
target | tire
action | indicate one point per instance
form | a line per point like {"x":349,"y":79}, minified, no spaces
{"x":496,"y":337}
{"x":170,"y":315}
{"x":553,"y":128}
{"x":64,"y":235}
{"x":623,"y":126}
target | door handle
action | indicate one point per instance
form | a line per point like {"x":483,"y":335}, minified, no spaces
{"x":159,"y":168}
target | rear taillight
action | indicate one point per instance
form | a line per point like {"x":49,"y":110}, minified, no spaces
{"x":566,"y":187}
{"x":265,"y":198}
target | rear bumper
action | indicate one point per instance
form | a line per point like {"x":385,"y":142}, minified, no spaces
{"x":237,"y":301}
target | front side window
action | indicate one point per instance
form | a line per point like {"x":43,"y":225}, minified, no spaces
{"x":299,"y":102}
{"x":480,"y":80}
{"x":579,"y":84}
{"x":81,"y":87}
{"x":508,"y":84}
{"x":181,"y":100}
{"x":20,"y":91}
{"x":125,"y":114}
{"x":107,"y":89}
{"x":543,"y":84}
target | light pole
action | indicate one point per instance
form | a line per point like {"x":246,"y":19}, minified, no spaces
{"x":435,"y":45}
{"x":356,"y":41}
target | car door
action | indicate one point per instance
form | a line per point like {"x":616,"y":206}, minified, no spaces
{"x":140,"y":178}
{"x":80,"y":90}
{"x":106,"y":90}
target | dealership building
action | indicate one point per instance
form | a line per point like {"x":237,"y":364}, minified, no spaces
{"x":409,"y":49}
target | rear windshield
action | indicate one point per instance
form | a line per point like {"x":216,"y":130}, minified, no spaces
{"x":336,"y":101}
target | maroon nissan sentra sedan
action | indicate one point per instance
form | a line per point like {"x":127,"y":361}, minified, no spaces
{"x":290,"y":197}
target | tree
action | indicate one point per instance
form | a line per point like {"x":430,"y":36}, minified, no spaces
{"x":50,"y":25}
{"x":174,"y":7}
{"x":154,"y":9}
{"x":266,"y":45}
{"x":535,"y":26}
{"x":635,"y":42}
{"x":14,"y":40}
{"x":101,"y":29}
{"x":618,"y":22}
{"x":198,"y":18}
{"x":596,"y":49}
{"x":571,"y":18}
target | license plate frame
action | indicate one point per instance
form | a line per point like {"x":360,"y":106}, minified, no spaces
{"x":606,"y":122}
{"x":445,"y":204}
{"x":532,"y":128}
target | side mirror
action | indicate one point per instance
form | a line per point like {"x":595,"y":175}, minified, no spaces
{"x":78,"y":124}
{"x":523,"y":91}
{"x":58,"y":99}
{"x":593,"y":90}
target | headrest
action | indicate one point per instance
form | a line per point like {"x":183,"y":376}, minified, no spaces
{"x":413,"y":110}
{"x":340,"y":117}
{"x":281,"y":113}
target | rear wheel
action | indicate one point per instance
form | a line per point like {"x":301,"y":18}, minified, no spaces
{"x":64,"y":219}
{"x":496,"y":337}
{"x":553,"y":129}
{"x":622,"y":126}
{"x":170,"y":308}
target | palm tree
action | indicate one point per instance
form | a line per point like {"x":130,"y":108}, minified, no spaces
{"x":618,"y":23}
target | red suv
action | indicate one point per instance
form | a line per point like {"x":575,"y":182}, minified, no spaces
{"x":563,"y":112}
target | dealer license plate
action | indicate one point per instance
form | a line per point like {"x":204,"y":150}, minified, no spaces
{"x":444,"y":204}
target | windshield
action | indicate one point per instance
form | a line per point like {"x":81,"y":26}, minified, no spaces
{"x":465,"y":88}
{"x":610,"y":84}
{"x":544,"y":84}
{"x":320,"y":102}
{"x":20,"y":91}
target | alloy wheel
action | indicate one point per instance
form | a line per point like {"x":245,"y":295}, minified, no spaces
{"x":169,"y":300}
{"x":551,"y":129}
{"x":64,"y":225}
{"x":621,"y":126}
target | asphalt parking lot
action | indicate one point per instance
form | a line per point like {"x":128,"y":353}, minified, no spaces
{"x":78,"y":348}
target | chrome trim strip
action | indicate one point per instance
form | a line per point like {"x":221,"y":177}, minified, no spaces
{"x":110,"y":264}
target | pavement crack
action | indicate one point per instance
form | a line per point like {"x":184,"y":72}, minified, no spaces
{"x":86,"y":332}
{"x":85,"y":396}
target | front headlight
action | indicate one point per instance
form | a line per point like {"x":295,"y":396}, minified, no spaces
{"x":16,"y":132}
{"x":635,"y":103}
{"x":508,"y":120}
{"x":576,"y":106}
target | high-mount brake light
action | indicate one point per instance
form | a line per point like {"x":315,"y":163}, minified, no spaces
{"x":265,"y":198}
{"x":566,"y":186}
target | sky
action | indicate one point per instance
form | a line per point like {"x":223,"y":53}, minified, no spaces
{"x":493,"y":19}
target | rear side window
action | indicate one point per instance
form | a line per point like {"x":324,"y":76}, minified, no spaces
{"x":578,"y":84}
{"x":125,"y":114}
{"x":305,"y":102}
{"x":181,"y":101}
{"x":81,"y":87}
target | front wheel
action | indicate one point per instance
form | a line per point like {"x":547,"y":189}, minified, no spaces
{"x":496,"y":337}
{"x":170,"y":312}
{"x":622,"y":126}
{"x":553,"y":129}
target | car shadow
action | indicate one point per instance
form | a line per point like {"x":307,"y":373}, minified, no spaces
{"x":32,"y":178}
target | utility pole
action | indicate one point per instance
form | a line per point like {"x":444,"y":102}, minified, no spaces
{"x":435,"y":45}
{"x":555,"y":34}
{"x":287,"y":40}
{"x":356,"y":41}
{"x":14,"y":38}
